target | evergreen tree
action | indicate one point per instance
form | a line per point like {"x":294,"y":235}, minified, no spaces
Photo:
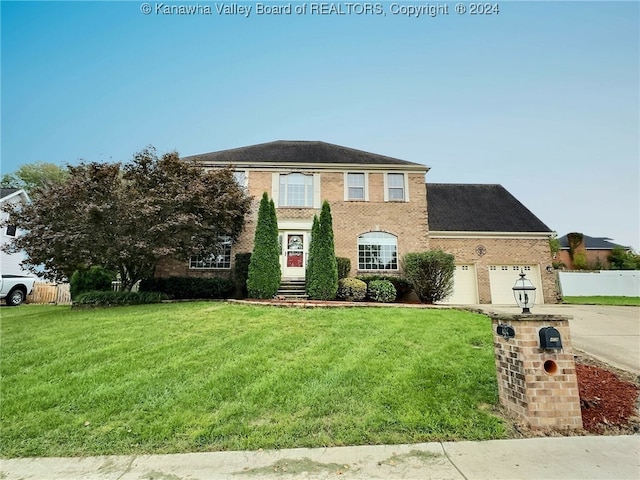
{"x":322,"y":271}
{"x":264,"y":268}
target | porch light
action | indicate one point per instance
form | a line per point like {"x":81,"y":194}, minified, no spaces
{"x":524,"y":293}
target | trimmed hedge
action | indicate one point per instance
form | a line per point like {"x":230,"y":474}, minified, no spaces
{"x":92,"y":279}
{"x":401,"y":285}
{"x":189,"y":287}
{"x":381,"y":291}
{"x":344,"y":267}
{"x":352,"y":289}
{"x":430,"y":273}
{"x":241,"y":272}
{"x":101,"y":298}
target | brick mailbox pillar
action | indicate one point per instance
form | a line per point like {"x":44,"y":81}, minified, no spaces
{"x":538,"y":385}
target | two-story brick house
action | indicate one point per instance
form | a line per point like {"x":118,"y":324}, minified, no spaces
{"x":378,"y":205}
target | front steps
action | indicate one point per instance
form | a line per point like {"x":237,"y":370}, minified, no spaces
{"x":291,"y":288}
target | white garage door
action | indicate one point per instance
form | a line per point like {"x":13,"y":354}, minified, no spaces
{"x":465,"y":286}
{"x":502,"y":278}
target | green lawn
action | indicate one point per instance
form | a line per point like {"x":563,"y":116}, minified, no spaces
{"x":632,"y":301}
{"x":188,"y":377}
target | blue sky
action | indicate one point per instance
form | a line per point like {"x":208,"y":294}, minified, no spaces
{"x":542,"y":98}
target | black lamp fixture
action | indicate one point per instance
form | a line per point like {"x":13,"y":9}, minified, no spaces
{"x":524,"y":293}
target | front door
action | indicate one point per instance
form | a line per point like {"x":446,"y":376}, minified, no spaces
{"x":294,"y":253}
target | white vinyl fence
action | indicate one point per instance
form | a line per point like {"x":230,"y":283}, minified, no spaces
{"x":610,"y":283}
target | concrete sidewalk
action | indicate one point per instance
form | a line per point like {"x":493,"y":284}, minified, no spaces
{"x":612,"y":457}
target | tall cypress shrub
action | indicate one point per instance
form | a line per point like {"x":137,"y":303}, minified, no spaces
{"x":264,"y":268}
{"x":322,"y":271}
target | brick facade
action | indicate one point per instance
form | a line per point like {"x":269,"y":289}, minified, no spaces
{"x":407,"y":220}
{"x":500,"y":251}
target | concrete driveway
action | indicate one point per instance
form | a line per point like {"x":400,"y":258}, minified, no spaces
{"x":611,"y":334}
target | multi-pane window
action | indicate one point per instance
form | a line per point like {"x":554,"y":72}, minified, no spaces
{"x":220,"y":258}
{"x":356,"y":186}
{"x":240,"y":177}
{"x":377,"y":251}
{"x":296,"y":190}
{"x":395,"y":186}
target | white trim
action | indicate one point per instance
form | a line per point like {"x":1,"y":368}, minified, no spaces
{"x":317,"y":201}
{"x":505,"y":235}
{"x":405,"y":180}
{"x":275,"y":188}
{"x":332,"y":167}
{"x":346,"y":186}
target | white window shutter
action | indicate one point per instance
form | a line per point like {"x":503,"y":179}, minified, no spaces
{"x":406,"y":186}
{"x":386,"y":187}
{"x":346,"y":186}
{"x":275,"y":188}
{"x":366,"y":186}
{"x":316,"y":191}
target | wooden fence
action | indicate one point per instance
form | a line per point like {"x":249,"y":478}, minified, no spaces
{"x":50,"y":294}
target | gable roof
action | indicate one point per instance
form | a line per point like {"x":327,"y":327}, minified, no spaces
{"x":591,"y":243}
{"x":288,"y":152}
{"x":478,"y":208}
{"x":7,"y":194}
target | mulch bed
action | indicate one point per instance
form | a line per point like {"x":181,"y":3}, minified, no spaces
{"x":608,"y":399}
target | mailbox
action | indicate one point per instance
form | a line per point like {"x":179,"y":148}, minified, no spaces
{"x":550,"y":339}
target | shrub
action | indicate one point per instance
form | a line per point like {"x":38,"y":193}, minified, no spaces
{"x":381,"y":291}
{"x":430,"y":274}
{"x":95,"y":278}
{"x":263,"y":278}
{"x":344,"y":267}
{"x":241,"y":272}
{"x":352,"y":289}
{"x":189,"y":287}
{"x":401,"y":285}
{"x":322,"y":269}
{"x":101,"y":298}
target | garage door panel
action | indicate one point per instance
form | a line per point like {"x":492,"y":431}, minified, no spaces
{"x":502,"y":278}
{"x":465,"y":286}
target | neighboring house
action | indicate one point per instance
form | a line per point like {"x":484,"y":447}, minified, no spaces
{"x":379,"y":210}
{"x":10,"y":263}
{"x":493,"y":238}
{"x":596,"y":249}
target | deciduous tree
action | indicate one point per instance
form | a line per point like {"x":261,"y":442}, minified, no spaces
{"x":128,"y":217}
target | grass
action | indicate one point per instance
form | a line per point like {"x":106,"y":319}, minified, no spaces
{"x":600,"y":300}
{"x":189,"y":377}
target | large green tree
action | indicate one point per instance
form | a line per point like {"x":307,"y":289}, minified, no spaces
{"x":128,"y":217}
{"x":322,"y":268}
{"x":264,"y":268}
{"x":32,"y":176}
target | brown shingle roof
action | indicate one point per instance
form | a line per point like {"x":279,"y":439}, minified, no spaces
{"x":478,"y":208}
{"x":287,"y":151}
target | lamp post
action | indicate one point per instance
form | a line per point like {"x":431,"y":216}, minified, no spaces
{"x":524,"y":293}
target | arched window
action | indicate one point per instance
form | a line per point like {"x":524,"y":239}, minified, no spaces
{"x":377,"y":251}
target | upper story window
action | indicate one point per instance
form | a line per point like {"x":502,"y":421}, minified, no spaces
{"x":395,"y":188}
{"x":11,"y":231}
{"x":220,"y":258}
{"x":296,"y":190}
{"x":377,"y":251}
{"x":240,"y":177}
{"x":356,"y":186}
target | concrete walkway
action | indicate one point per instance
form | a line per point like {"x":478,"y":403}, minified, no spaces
{"x":614,"y":457}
